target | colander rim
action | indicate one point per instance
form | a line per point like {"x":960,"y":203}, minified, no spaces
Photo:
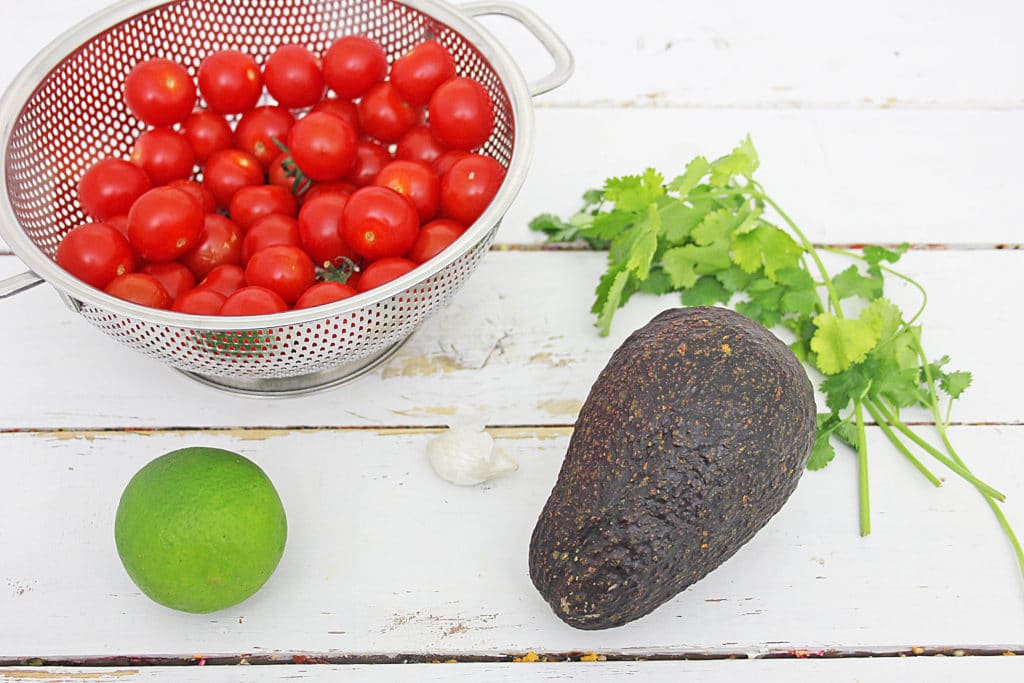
{"x":27,"y":80}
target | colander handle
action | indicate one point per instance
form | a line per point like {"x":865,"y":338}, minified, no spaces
{"x":544,"y":34}
{"x":19,"y":283}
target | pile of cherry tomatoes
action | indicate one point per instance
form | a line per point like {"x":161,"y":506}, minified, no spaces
{"x":350,"y":174}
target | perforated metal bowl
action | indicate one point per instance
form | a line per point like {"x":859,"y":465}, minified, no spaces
{"x":64,"y":111}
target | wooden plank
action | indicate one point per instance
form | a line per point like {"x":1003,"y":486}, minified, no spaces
{"x":878,"y":670}
{"x":516,"y":346}
{"x":787,"y":53}
{"x":384,"y":558}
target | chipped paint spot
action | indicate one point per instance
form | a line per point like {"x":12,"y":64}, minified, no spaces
{"x":428,"y":410}
{"x":561,"y":406}
{"x":551,"y":360}
{"x":421,"y":366}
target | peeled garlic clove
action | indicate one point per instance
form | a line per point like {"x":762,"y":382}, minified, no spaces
{"x":468,"y":456}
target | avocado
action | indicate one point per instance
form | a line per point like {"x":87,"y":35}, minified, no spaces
{"x":692,"y":437}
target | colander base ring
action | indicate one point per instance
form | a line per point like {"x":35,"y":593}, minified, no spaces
{"x":299,"y":385}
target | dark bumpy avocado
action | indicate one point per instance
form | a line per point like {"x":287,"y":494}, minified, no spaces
{"x":692,"y":438}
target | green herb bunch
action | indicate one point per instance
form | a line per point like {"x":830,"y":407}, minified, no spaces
{"x":707,"y":234}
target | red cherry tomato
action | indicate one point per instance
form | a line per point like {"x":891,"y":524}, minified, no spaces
{"x":340,"y":187}
{"x":345,"y":110}
{"x":384,"y":115}
{"x":469,"y":186}
{"x":323,"y":146}
{"x":164,"y":155}
{"x":352,"y":64}
{"x":95,"y":253}
{"x":382,"y":271}
{"x":229,"y":170}
{"x":293,"y":77}
{"x":444,"y":162}
{"x":370,"y":158}
{"x":461,"y":113}
{"x":230,"y":81}
{"x":324,"y":293}
{"x":253,"y":202}
{"x":120,"y":222}
{"x":434,"y":237}
{"x":378,"y":222}
{"x":320,"y":229}
{"x":199,"y":301}
{"x":224,"y":279}
{"x":416,"y":182}
{"x":268,"y":231}
{"x":253,"y":300}
{"x":173,"y":275}
{"x":220,"y":243}
{"x":139,"y":288}
{"x":284,"y":172}
{"x":159,"y":92}
{"x":419,"y":144}
{"x":110,"y":187}
{"x":198,"y":192}
{"x":418,"y":73}
{"x":164,"y":223}
{"x":257,"y":130}
{"x":284,"y":269}
{"x":206,"y":132}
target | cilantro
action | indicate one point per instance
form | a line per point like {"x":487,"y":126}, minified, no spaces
{"x":706,"y":233}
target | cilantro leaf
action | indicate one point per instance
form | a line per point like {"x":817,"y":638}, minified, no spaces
{"x":765,"y":246}
{"x":741,"y":161}
{"x":955,"y":383}
{"x":610,"y":298}
{"x":635,"y":193}
{"x":822,"y":452}
{"x":707,"y":291}
{"x":695,"y":171}
{"x":841,"y":342}
{"x":850,"y":283}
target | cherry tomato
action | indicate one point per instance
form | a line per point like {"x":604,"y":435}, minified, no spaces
{"x":199,"y":301}
{"x":164,"y":223}
{"x":95,"y":253}
{"x":120,"y":222}
{"x":444,"y":162}
{"x":461,"y":113}
{"x":164,"y":154}
{"x":418,"y":73}
{"x":253,"y":202}
{"x":352,"y":64}
{"x":159,"y":92}
{"x":253,"y":300}
{"x":346,"y":110}
{"x":139,"y":288}
{"x":206,"y":132}
{"x":198,"y":192}
{"x":323,"y":146}
{"x":416,"y":182}
{"x":257,"y":130}
{"x":218,"y":244}
{"x":378,"y":222}
{"x":293,"y":77}
{"x":434,"y":237}
{"x":268,"y":231}
{"x":224,"y":279}
{"x":173,"y":275}
{"x":284,"y":172}
{"x":383,"y":270}
{"x":230,"y":81}
{"x":384,"y":115}
{"x":320,"y":229}
{"x":370,"y":158}
{"x":340,"y":187}
{"x":419,"y":144}
{"x":227,"y":171}
{"x":282,"y":268}
{"x":110,"y":187}
{"x":469,"y":186}
{"x":324,"y":293}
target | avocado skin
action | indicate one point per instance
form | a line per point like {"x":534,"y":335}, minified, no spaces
{"x":692,"y":437}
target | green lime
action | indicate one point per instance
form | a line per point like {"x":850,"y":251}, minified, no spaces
{"x":200,"y":529}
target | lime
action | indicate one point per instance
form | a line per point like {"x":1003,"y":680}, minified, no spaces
{"x":200,"y":529}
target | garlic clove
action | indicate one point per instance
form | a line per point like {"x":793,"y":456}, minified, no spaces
{"x":466,"y":456}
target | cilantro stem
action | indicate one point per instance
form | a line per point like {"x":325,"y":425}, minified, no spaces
{"x":892,"y":271}
{"x":957,"y":467}
{"x":862,"y":470}
{"x":900,"y":446}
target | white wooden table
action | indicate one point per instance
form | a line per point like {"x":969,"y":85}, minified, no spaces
{"x":876,"y":122}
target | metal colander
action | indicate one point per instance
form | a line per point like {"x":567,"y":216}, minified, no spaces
{"x":65,"y":111}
